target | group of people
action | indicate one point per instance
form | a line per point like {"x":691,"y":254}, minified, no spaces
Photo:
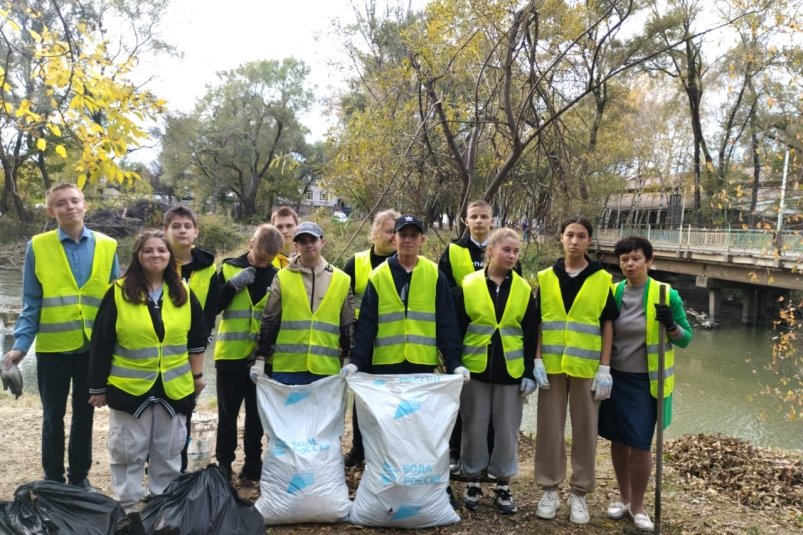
{"x":136,"y":344}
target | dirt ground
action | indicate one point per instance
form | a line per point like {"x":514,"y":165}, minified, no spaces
{"x":689,"y":506}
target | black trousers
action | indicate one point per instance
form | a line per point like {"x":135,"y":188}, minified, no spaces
{"x":234,"y":387}
{"x":54,"y":374}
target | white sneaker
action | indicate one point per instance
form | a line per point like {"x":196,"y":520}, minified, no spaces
{"x":617,"y":510}
{"x":579,"y":509}
{"x":548,"y":505}
{"x":642,"y":521}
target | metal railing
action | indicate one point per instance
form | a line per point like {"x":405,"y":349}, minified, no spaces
{"x":752,"y":241}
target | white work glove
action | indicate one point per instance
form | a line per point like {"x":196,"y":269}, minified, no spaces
{"x":256,"y":369}
{"x":527,"y":387}
{"x":243,"y":278}
{"x":602,"y":383}
{"x":462,"y":370}
{"x":539,"y":374}
{"x":348,"y":370}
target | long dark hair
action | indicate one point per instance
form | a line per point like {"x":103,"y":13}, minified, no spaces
{"x":135,"y":284}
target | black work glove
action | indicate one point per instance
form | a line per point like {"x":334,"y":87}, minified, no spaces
{"x":664,"y":314}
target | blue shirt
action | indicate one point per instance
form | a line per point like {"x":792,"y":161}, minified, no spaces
{"x":80,"y":256}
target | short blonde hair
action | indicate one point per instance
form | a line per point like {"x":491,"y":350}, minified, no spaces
{"x":480,"y":204}
{"x":59,"y":187}
{"x":498,"y":236}
{"x":267,"y":239}
{"x":379,"y":220}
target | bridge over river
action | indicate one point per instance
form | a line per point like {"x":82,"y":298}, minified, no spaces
{"x":761,"y":263}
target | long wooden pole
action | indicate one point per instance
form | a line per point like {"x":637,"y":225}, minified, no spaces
{"x":659,"y":424}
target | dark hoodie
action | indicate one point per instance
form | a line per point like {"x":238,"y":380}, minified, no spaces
{"x":202,"y":259}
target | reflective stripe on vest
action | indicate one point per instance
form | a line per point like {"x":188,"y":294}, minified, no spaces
{"x":409,"y":336}
{"x":239,"y":324}
{"x":651,"y":298}
{"x":68,"y":312}
{"x":307,"y":341}
{"x":199,"y":282}
{"x":139,"y":357}
{"x":362,"y":268}
{"x":571,"y":343}
{"x":482,"y":313}
{"x":461,"y":262}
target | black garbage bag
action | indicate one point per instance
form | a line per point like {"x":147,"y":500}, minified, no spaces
{"x":201,"y":503}
{"x":47,"y":507}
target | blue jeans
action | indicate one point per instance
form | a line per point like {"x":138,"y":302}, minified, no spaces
{"x":54,"y":373}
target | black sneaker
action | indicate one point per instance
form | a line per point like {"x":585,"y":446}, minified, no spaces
{"x":225,"y":469}
{"x":472,"y":496}
{"x":353,"y":459}
{"x":85,"y":485}
{"x":452,"y":500}
{"x":504,"y":501}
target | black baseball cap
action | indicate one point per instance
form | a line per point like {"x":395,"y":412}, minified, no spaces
{"x":407,"y":220}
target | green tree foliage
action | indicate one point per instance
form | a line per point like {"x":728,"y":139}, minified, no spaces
{"x":67,"y":105}
{"x":243,"y":139}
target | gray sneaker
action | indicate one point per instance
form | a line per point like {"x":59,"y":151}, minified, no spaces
{"x":504,"y":501}
{"x":472,"y":496}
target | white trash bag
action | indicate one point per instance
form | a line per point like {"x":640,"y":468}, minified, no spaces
{"x":405,"y":421}
{"x":303,"y":476}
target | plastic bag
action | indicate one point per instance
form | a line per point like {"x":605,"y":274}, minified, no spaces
{"x":303,"y":475}
{"x":405,"y":421}
{"x":201,"y":503}
{"x":45,"y":507}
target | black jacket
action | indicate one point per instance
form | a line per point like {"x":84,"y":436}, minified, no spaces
{"x":447,"y":336}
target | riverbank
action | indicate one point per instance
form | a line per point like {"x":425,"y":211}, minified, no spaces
{"x":712,"y":484}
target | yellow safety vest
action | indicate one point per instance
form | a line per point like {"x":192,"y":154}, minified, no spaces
{"x":139,"y":357}
{"x":362,"y":268}
{"x":199,"y":282}
{"x":480,"y":309}
{"x":307,"y":341}
{"x":651,"y":298}
{"x":280,"y":261}
{"x":571,"y":343}
{"x":462,"y":264}
{"x":68,"y":312}
{"x":410,"y":336}
{"x":239,"y":323}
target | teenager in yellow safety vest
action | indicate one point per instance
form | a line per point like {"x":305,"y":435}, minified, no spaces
{"x":285,"y":219}
{"x":146,"y":363}
{"x":197,"y":268}
{"x":629,"y":417}
{"x":66,"y":273}
{"x":499,"y":323}
{"x":359,"y":267}
{"x":244,"y":290}
{"x":309,"y":319}
{"x":572,"y":366}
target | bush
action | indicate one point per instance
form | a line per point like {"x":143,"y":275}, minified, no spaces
{"x":219,"y":234}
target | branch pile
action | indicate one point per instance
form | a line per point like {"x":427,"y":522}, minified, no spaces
{"x":755,"y":477}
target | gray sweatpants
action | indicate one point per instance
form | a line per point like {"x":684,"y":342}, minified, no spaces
{"x":154,"y":437}
{"x":481,"y":403}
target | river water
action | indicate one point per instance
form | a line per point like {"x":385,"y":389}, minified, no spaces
{"x":720,"y":378}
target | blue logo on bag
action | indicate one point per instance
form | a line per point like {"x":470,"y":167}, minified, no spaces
{"x":278,"y":448}
{"x":379,"y":382}
{"x":388,"y":475}
{"x":300,"y":482}
{"x":406,"y":511}
{"x":296,"y":396}
{"x":406,"y":408}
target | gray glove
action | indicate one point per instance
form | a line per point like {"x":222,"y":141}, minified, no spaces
{"x":527,"y":387}
{"x":12,"y":380}
{"x":539,"y":374}
{"x":602,"y":383}
{"x":243,"y":278}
